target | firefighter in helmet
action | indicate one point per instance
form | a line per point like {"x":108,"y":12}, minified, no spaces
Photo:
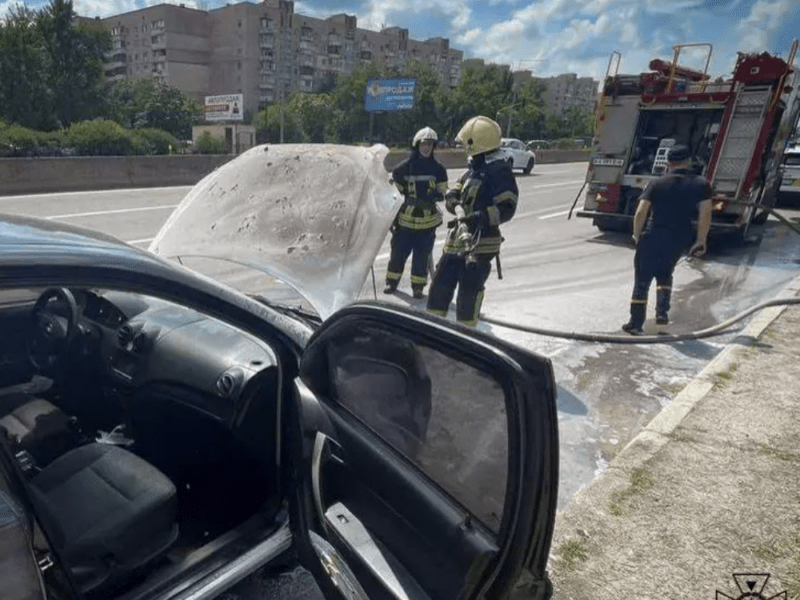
{"x":484,"y":197}
{"x":423,"y":182}
{"x":662,"y":231}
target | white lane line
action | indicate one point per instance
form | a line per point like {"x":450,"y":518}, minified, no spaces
{"x":561,"y":184}
{"x":95,"y":192}
{"x":112,"y":212}
{"x":551,"y":216}
{"x":388,"y":254}
{"x":144,"y":241}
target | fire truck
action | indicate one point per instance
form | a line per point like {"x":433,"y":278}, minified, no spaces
{"x":736,"y":129}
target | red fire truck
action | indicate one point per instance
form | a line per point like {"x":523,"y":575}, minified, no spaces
{"x":736,"y":129}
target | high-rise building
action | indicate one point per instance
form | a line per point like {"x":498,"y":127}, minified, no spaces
{"x":264,"y":51}
{"x":568,"y":90}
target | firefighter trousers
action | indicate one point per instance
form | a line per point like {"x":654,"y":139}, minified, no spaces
{"x":454,"y":270}
{"x":655,"y":258}
{"x":404,"y":242}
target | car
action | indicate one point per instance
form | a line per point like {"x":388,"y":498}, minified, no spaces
{"x":166,"y":434}
{"x":538,"y":144}
{"x":790,"y":178}
{"x":519,"y":155}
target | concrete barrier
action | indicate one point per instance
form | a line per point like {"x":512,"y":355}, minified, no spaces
{"x":456,"y":159}
{"x":44,"y":175}
{"x":50,"y":175}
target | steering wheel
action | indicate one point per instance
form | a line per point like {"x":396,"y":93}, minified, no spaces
{"x":50,"y":332}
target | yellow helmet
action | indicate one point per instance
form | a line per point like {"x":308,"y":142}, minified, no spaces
{"x":479,"y":135}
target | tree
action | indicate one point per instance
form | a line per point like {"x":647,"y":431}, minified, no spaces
{"x":75,"y":54}
{"x":143,"y":102}
{"x":50,"y":67}
{"x":24,"y":93}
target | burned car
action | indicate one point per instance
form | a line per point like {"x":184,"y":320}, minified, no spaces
{"x":165,"y":434}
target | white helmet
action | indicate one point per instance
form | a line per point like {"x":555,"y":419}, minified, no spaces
{"x":425,"y":134}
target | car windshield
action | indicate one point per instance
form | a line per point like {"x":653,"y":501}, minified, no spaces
{"x":792,"y":160}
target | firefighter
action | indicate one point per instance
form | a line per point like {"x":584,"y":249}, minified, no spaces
{"x":662,"y":231}
{"x":423,"y":182}
{"x":484,"y":197}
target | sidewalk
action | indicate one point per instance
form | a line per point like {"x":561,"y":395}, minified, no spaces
{"x":710,"y":488}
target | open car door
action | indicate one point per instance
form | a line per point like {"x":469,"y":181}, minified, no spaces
{"x":426,"y":459}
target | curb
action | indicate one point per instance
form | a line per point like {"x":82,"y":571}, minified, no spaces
{"x":657,"y":433}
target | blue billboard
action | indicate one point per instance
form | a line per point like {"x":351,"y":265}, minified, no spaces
{"x":385,"y":95}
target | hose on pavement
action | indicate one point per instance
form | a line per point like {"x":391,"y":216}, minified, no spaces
{"x":606,"y":338}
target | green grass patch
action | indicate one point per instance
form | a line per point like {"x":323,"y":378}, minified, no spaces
{"x":572,"y":553}
{"x":641,"y":480}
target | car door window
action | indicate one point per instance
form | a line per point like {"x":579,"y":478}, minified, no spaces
{"x":445,"y":416}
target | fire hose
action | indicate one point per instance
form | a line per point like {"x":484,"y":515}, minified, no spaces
{"x":716,"y":330}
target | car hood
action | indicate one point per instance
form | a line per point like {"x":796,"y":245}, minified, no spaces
{"x":311,"y":215}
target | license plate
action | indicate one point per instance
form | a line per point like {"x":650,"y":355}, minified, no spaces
{"x":608,"y":162}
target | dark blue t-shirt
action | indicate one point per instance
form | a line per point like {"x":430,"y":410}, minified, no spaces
{"x":674,"y":198}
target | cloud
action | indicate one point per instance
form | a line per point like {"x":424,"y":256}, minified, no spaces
{"x":765,"y":18}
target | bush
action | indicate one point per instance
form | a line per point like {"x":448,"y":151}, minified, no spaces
{"x":99,"y":138}
{"x":208,"y":144}
{"x":18,"y":137}
{"x":151,"y":141}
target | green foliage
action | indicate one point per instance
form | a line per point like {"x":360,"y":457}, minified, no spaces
{"x":18,"y":137}
{"x":143,"y":102}
{"x":50,"y":67}
{"x":99,"y":137}
{"x":208,"y":144}
{"x":150,"y":141}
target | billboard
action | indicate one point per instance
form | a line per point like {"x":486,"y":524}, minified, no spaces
{"x":227,"y":107}
{"x":389,"y":94}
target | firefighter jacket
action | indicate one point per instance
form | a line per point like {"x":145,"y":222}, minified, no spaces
{"x":423,"y":183}
{"x":488,"y":194}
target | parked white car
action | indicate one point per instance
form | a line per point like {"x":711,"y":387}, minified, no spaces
{"x":790,"y":181}
{"x":521,"y":157}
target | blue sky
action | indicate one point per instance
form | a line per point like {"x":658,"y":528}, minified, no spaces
{"x":554,"y":36}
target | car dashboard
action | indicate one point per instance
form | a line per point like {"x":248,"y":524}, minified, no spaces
{"x":140,"y":341}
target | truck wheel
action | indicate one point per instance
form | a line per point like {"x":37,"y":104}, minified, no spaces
{"x":527,"y":170}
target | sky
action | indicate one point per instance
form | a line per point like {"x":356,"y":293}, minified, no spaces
{"x":550,"y":37}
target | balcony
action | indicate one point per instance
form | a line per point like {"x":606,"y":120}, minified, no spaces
{"x":266,"y":40}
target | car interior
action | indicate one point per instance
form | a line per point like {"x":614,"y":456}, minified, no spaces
{"x":142,"y":434}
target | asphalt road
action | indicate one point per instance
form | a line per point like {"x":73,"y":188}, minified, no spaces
{"x":557,"y":273}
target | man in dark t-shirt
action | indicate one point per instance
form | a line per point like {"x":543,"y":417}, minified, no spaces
{"x":663,"y":230}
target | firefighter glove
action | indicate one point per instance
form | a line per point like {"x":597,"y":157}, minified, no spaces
{"x":478,"y":218}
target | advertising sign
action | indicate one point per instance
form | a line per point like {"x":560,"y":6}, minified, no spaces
{"x":389,"y":94}
{"x":227,"y":107}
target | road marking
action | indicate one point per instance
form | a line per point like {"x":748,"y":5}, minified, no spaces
{"x":551,"y":216}
{"x":112,"y":212}
{"x":95,"y":192}
{"x":144,"y":241}
{"x":388,"y":254}
{"x":562,"y":184}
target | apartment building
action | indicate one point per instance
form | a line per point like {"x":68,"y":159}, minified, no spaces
{"x":568,"y":90}
{"x":264,"y":51}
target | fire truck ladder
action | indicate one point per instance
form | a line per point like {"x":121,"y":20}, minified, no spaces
{"x":749,"y":109}
{"x":602,"y":103}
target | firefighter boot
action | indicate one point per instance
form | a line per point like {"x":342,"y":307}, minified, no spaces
{"x":662,"y":304}
{"x":416,"y":289}
{"x":391,"y":286}
{"x":638,"y":313}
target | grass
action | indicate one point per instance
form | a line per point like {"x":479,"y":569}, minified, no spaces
{"x":786,"y":549}
{"x":572,"y":553}
{"x":774,"y":452}
{"x":726,"y":376}
{"x":641,"y":480}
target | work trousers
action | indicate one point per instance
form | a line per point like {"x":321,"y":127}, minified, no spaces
{"x":656,"y":257}
{"x":470,"y":277}
{"x":404,"y":242}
